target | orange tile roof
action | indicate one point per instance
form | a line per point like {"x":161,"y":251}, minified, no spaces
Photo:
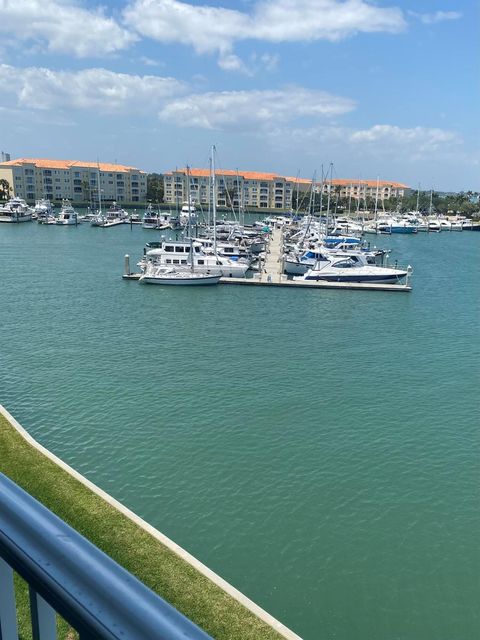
{"x":42,"y":163}
{"x":255,"y":175}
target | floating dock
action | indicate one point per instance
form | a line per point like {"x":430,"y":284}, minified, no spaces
{"x":271,"y":274}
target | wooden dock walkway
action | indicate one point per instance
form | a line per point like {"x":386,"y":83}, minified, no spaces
{"x":272,"y":268}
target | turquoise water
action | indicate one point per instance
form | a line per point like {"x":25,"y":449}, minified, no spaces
{"x":318,"y":449}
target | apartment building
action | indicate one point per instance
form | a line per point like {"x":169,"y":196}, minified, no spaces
{"x":252,"y":189}
{"x":34,"y":178}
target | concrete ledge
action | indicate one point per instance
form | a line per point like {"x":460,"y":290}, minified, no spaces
{"x":260,"y":613}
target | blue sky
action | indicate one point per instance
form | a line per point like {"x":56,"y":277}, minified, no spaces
{"x":386,"y":89}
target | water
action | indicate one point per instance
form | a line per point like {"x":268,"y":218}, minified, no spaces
{"x":318,"y":449}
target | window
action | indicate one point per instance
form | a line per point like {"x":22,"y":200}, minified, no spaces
{"x":169,"y":248}
{"x":201,"y":261}
{"x":178,"y":249}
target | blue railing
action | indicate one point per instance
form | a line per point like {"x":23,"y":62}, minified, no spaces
{"x":68,"y":575}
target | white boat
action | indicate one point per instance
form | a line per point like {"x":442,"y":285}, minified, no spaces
{"x":150,"y":218}
{"x":42,"y":210}
{"x":155,"y":274}
{"x":15,"y":210}
{"x":134,"y":218}
{"x":178,"y":253}
{"x":188,"y":214}
{"x":297,"y":264}
{"x":67,"y":215}
{"x":352,"y":269}
{"x":393,"y":225}
{"x":434,"y":226}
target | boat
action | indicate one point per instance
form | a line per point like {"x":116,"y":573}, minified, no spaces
{"x":15,"y":210}
{"x":179,"y":253}
{"x":393,"y":225}
{"x":43,"y":210}
{"x":150,"y":218}
{"x":434,"y":226}
{"x":134,"y":218}
{"x":298,"y":264}
{"x":188,"y":214}
{"x":113,"y":217}
{"x":352,"y":269}
{"x":155,"y":274}
{"x":67,"y":215}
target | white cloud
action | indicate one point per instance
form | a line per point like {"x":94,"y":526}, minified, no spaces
{"x":379,"y":145}
{"x":416,"y":140}
{"x":249,"y":110}
{"x":64,"y":26}
{"x":437,"y":16}
{"x":211,"y":29}
{"x":95,"y":89}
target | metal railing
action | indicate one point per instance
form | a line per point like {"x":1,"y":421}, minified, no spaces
{"x":68,"y":575}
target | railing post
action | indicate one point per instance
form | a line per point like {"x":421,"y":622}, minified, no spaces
{"x":8,"y":611}
{"x":44,"y":618}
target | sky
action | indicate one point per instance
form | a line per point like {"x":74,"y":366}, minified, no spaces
{"x":386,"y":89}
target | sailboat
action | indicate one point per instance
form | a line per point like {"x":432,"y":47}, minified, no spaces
{"x":176,"y":275}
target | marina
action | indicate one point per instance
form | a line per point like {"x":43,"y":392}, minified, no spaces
{"x":293,"y":466}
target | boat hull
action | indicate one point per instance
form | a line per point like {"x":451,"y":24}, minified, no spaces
{"x":179,"y":282}
{"x":380,"y":279}
{"x":13,"y":219}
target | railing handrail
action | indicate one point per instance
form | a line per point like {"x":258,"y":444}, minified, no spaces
{"x":94,"y":594}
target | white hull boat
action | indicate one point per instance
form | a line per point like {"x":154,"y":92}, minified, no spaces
{"x":176,"y":277}
{"x":15,"y":210}
{"x":177,"y":254}
{"x":68,"y":215}
{"x":352,"y":269}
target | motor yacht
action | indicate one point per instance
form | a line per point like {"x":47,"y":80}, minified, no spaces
{"x":180,"y":253}
{"x":351,"y":269}
{"x":15,"y":210}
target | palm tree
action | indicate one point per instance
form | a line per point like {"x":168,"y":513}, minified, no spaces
{"x":5,"y":189}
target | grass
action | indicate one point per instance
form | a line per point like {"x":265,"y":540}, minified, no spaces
{"x":158,"y":567}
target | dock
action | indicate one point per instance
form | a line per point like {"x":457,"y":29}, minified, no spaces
{"x":271,"y":274}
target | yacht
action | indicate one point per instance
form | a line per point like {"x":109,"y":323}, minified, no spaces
{"x":42,"y":210}
{"x":188,"y":213}
{"x":67,"y":215}
{"x":178,"y":254}
{"x":150,"y":218}
{"x":393,"y":225}
{"x":297,"y":264}
{"x":15,"y":210}
{"x":351,"y":269}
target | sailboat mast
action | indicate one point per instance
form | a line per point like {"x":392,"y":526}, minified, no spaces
{"x":376,"y":200}
{"x":329,"y":196}
{"x":214,"y":202}
{"x":189,"y":218}
{"x":99,"y":190}
{"x":321,"y":195}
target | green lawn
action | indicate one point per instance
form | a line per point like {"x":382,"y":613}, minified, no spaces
{"x":159,"y":568}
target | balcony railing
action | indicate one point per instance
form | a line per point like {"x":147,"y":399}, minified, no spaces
{"x":68,"y":575}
